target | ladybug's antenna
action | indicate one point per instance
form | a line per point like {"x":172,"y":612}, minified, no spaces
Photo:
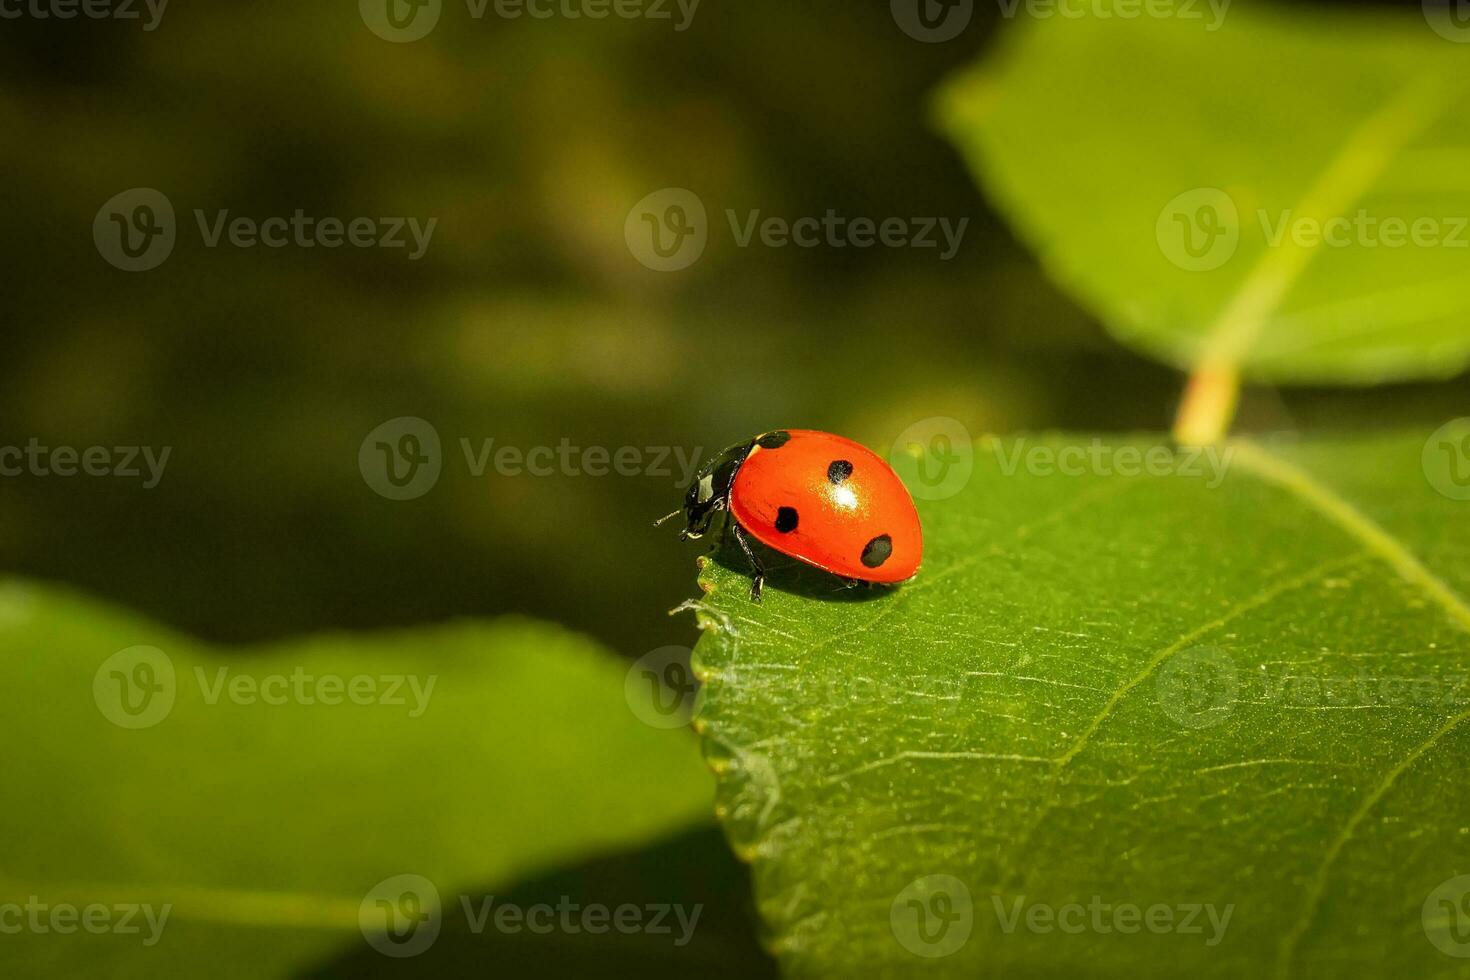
{"x":667,"y":517}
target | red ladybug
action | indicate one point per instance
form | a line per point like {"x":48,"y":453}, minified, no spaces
{"x":820,"y":498}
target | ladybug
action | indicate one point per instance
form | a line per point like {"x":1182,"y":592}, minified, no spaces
{"x":817,"y":497}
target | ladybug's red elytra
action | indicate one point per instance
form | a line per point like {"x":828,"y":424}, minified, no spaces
{"x":817,"y":497}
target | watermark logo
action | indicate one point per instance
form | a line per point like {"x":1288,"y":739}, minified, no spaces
{"x":933,"y":916}
{"x":135,"y":688}
{"x":935,"y":457}
{"x":400,"y":21}
{"x":932,"y":21}
{"x":1198,"y":687}
{"x":1450,"y":19}
{"x":401,"y":459}
{"x":401,"y":916}
{"x":1446,"y":917}
{"x":135,"y":230}
{"x":1446,"y":459}
{"x":667,"y":230}
{"x":1199,"y":230}
{"x":661,"y":688}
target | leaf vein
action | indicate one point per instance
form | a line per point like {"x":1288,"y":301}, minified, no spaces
{"x":1319,"y":880}
{"x":1273,"y":469}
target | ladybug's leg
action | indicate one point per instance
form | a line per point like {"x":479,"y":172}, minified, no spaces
{"x":758,"y":571}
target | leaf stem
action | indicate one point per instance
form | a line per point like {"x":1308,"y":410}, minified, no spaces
{"x":1209,"y":403}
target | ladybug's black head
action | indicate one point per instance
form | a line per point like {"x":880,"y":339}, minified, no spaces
{"x":710,"y":491}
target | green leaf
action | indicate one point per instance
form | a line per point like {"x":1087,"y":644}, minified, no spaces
{"x":1108,"y":140}
{"x":694,"y":868}
{"x":1240,"y":688}
{"x":263,"y":826}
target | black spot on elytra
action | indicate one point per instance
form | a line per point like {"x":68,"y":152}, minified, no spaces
{"x":774,"y":440}
{"x":838,"y":471}
{"x":877,"y":551}
{"x":786,"y":520}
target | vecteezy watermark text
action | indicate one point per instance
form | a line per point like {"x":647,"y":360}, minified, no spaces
{"x":1099,"y":458}
{"x":1200,"y":230}
{"x":571,"y":917}
{"x":1211,"y":12}
{"x":300,"y":687}
{"x":1202,"y":686}
{"x":936,"y":21}
{"x":834,"y":230}
{"x":138,"y":687}
{"x":402,"y":459}
{"x":125,"y":462}
{"x":136,"y":230}
{"x":933,"y":916}
{"x":679,"y":12}
{"x":97,"y":918}
{"x":1124,"y":918}
{"x":401,"y":916}
{"x":304,"y":231}
{"x":90,"y":9}
{"x":569,"y":459}
{"x":669,"y":229}
{"x":401,"y":21}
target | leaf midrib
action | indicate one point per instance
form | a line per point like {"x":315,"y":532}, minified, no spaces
{"x":1345,"y":178}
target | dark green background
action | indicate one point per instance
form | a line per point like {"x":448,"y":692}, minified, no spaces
{"x":527,"y":321}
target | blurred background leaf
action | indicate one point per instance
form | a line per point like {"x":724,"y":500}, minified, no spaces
{"x":1171,"y":172}
{"x":513,"y":751}
{"x":694,"y":868}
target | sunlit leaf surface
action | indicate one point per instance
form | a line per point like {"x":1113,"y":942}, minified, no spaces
{"x":1231,"y":685}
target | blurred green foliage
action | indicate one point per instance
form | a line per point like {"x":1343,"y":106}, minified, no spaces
{"x":527,"y":321}
{"x":1310,"y":203}
{"x":254,"y":801}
